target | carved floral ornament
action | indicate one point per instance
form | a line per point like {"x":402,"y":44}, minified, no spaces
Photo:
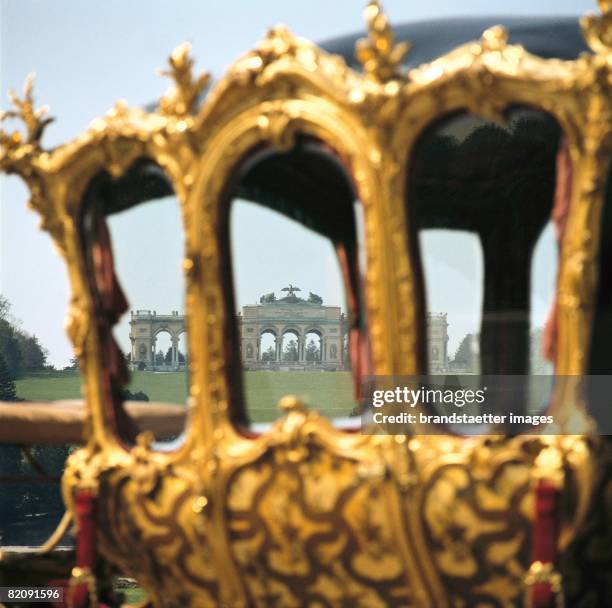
{"x":385,"y":493}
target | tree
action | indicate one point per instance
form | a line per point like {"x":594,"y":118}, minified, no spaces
{"x":8,"y":392}
{"x":465,"y":356}
{"x":10,"y":348}
{"x":128,"y":395}
{"x":5,"y":307}
{"x":168,"y":357}
{"x":291,"y":351}
{"x":269,"y":354}
{"x":159,"y":357}
{"x":312,"y":351}
{"x":22,"y":352}
{"x":34,"y":356}
{"x":73,"y":364}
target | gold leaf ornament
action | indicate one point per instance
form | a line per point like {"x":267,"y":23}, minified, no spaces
{"x":34,"y":119}
{"x":182,"y":97}
{"x":597,"y":29}
{"x":380,"y":57}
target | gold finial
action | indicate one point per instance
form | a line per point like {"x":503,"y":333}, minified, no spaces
{"x":181,"y":98}
{"x":35,"y":120}
{"x":597,"y":29}
{"x":144,"y":440}
{"x":380,"y":56}
{"x":279,"y":41}
{"x":495,"y":38}
{"x":290,"y":403}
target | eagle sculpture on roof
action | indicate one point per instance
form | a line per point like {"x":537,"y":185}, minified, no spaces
{"x":291,"y":290}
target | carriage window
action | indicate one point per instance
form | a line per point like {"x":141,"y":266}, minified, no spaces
{"x":481,"y":198}
{"x":291,"y":315}
{"x":294,"y":317}
{"x":455,"y":259}
{"x":543,"y":286}
{"x":146,"y":298}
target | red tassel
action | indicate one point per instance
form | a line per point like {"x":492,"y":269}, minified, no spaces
{"x":86,"y":542}
{"x":545,"y":533}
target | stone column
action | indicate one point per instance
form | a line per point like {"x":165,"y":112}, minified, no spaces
{"x":174,"y":352}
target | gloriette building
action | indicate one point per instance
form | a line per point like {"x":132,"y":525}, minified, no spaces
{"x":296,"y":322}
{"x":288,"y":333}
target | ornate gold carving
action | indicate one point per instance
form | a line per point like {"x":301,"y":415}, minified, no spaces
{"x":35,"y":120}
{"x":597,"y":29}
{"x":305,"y":511}
{"x":275,"y":126}
{"x":380,"y":56}
{"x":180,"y":100}
{"x":278,"y":43}
{"x":495,"y":39}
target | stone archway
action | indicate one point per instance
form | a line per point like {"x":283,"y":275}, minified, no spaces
{"x":296,"y":317}
{"x":265,"y":350}
{"x":145,"y":326}
{"x":162,"y":348}
{"x":291,"y":336}
{"x":313,"y":335}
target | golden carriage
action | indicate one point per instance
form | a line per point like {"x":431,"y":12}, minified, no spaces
{"x":304,"y":513}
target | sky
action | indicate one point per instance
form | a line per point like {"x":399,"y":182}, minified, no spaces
{"x":89,"y":54}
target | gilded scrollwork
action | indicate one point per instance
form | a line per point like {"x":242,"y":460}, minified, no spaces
{"x":306,"y":513}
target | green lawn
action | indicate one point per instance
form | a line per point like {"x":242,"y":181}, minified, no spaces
{"x":133,"y":595}
{"x":50,"y":386}
{"x":329,"y":392}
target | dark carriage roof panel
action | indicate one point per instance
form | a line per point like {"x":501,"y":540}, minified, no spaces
{"x":548,"y":37}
